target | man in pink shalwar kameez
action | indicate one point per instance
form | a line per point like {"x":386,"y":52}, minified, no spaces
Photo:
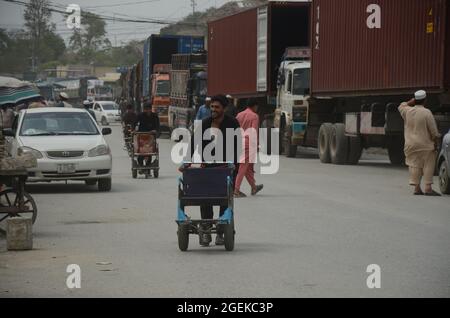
{"x":249,"y":122}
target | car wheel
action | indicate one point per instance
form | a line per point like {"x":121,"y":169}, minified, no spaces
{"x":444,"y":178}
{"x":104,"y":185}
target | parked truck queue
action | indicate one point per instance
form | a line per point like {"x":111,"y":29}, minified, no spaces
{"x":328,"y":74}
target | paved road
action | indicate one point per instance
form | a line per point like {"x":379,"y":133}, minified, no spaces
{"x":311,"y":233}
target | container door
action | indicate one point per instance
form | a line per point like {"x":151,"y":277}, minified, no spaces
{"x":262,"y":50}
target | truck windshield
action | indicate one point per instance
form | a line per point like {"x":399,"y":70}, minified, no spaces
{"x":301,"y":81}
{"x":162,"y":88}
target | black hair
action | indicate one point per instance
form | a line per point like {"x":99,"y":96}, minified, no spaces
{"x":130,"y":106}
{"x":252,"y":102}
{"x":147,"y":105}
{"x":222,"y":99}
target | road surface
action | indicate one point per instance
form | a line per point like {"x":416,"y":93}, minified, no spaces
{"x":312,"y":232}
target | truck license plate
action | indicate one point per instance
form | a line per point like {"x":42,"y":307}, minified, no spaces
{"x":66,"y":168}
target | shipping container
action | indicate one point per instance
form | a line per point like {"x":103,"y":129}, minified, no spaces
{"x":158,"y":49}
{"x":380,"y":46}
{"x":245,"y":49}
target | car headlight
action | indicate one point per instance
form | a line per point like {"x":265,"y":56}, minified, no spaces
{"x":101,"y":150}
{"x":36,"y":153}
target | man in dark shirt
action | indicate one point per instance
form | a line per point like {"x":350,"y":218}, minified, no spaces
{"x":230,"y":109}
{"x":222,"y":122}
{"x":147,"y":121}
{"x":129,"y":117}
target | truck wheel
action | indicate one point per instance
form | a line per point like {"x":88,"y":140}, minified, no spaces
{"x":354,"y":151}
{"x":338,"y":145}
{"x":396,"y":150}
{"x":281,"y":136}
{"x":444,"y":179}
{"x":324,"y":142}
{"x":291,"y":150}
{"x":183,"y":237}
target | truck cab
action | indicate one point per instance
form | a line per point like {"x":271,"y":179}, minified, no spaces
{"x":291,"y":115}
{"x":160,"y":94}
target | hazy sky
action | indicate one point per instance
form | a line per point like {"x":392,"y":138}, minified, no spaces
{"x":11,"y":15}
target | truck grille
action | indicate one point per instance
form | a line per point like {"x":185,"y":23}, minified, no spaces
{"x":65,"y":154}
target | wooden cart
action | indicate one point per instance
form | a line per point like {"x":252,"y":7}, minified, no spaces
{"x":14,"y":200}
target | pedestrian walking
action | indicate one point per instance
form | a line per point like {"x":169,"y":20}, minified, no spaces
{"x":231,"y":109}
{"x":249,"y":122}
{"x":205,"y":110}
{"x":421,"y":143}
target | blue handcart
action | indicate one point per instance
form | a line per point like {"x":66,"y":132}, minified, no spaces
{"x":210,"y":184}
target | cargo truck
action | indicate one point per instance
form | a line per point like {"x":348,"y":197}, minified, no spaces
{"x":188,"y":88}
{"x":160,"y":94}
{"x":366,"y":58}
{"x":158,"y":49}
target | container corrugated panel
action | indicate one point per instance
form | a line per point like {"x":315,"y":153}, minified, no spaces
{"x":447,"y":49}
{"x":403,"y":49}
{"x":232,"y":54}
{"x":146,"y":69}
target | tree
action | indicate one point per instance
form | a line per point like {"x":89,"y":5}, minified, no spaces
{"x":90,"y":39}
{"x":37,"y":22}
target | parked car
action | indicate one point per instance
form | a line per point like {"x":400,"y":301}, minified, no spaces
{"x":67,"y":143}
{"x":106,"y":112}
{"x":444,"y":165}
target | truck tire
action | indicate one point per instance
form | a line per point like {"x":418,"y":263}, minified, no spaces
{"x":396,"y":150}
{"x":324,"y":142}
{"x":338,"y":145}
{"x":281,"y":136}
{"x":444,"y":178}
{"x":291,"y":150}
{"x":355,"y":150}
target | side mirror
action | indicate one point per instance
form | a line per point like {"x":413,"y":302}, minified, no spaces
{"x":8,"y":132}
{"x":106,"y":131}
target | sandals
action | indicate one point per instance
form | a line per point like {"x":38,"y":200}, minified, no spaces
{"x":240,"y":195}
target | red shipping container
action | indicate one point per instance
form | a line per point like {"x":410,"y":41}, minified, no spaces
{"x":245,"y":49}
{"x":380,"y":46}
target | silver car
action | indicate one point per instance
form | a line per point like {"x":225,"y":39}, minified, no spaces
{"x":444,"y":165}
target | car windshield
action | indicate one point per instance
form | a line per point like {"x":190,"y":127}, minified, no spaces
{"x":110,"y":106}
{"x":57,"y":124}
{"x":301,"y":81}
{"x":162,"y":88}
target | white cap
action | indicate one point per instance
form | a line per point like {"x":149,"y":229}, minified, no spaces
{"x":64,"y":95}
{"x":420,"y":95}
{"x":229,"y":96}
{"x":208,"y":99}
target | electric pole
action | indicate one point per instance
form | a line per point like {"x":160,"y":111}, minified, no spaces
{"x":193,"y":4}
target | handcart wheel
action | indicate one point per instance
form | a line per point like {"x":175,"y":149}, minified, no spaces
{"x":228,"y":233}
{"x":183,"y":237}
{"x":10,"y":198}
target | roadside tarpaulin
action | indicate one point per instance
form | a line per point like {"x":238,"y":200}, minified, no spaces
{"x":13,"y":91}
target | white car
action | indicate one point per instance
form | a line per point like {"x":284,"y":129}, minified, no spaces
{"x":67,"y":143}
{"x":106,"y":112}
